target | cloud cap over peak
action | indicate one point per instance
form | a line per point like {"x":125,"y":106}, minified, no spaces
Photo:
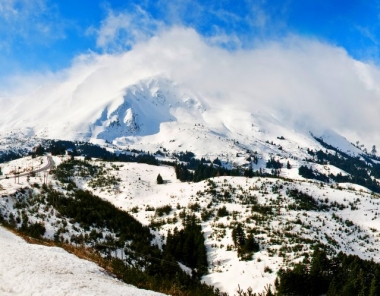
{"x":301,"y":81}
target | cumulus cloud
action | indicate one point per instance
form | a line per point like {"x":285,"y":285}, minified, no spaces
{"x":303,"y":82}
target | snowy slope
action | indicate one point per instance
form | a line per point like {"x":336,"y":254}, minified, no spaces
{"x":27,"y":269}
{"x":347,"y":217}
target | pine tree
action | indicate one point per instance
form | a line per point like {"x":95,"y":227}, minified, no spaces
{"x":374,"y":151}
{"x":238,"y":236}
{"x":159,"y":179}
{"x":248,"y":172}
{"x":374,"y":290}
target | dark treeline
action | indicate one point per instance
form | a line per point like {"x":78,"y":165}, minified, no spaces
{"x":342,"y":275}
{"x":359,"y":170}
{"x":304,"y":201}
{"x":94,"y":151}
{"x":9,"y":155}
{"x":206,"y":170}
{"x":309,"y":173}
{"x":202,"y":172}
{"x":91,"y":211}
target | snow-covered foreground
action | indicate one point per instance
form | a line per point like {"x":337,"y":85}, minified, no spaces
{"x":27,"y":269}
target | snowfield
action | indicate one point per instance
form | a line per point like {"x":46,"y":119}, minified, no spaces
{"x":28,"y":269}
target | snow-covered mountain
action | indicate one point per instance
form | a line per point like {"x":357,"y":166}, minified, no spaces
{"x":164,"y":117}
{"x":157,"y":113}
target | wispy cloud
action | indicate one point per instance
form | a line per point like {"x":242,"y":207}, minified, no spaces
{"x":29,"y":21}
{"x":121,"y":29}
{"x":234,"y":24}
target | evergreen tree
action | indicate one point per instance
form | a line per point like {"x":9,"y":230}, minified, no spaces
{"x":217,"y":162}
{"x":248,"y":172}
{"x":39,"y":150}
{"x":374,"y":290}
{"x":251,"y":245}
{"x":238,"y":236}
{"x":374,"y":151}
{"x":319,"y":272}
{"x":159,"y":179}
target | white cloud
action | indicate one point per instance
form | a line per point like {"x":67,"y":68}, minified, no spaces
{"x":33,"y":21}
{"x":120,"y":30}
{"x":7,"y":9}
{"x":302,"y":81}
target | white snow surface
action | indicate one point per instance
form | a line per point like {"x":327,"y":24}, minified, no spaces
{"x":29,"y":269}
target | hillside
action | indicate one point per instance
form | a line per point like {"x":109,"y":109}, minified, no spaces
{"x":285,"y":219}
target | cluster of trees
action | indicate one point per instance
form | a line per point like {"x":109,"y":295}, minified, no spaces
{"x":360,"y":171}
{"x":244,"y":245}
{"x":9,"y":155}
{"x":188,"y":246}
{"x":273,"y":164}
{"x":94,"y":151}
{"x":91,"y":211}
{"x":164,"y":210}
{"x":36,"y":230}
{"x":65,"y":171}
{"x":341,"y":275}
{"x":206,"y":169}
{"x":187,"y":156}
{"x":38,"y":151}
{"x":309,"y":173}
{"x":155,"y":266}
{"x":183,"y":173}
{"x":203,"y":172}
{"x":304,"y":201}
{"x":192,"y":163}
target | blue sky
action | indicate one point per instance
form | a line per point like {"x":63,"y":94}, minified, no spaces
{"x":46,"y":35}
